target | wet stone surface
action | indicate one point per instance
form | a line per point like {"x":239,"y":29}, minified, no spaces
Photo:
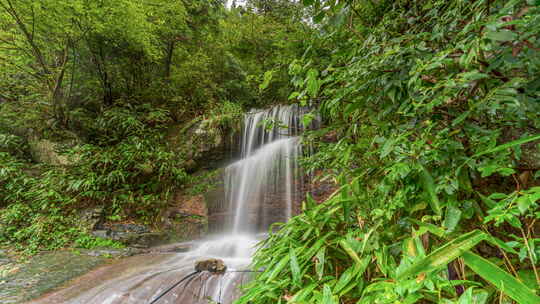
{"x":20,"y":282}
{"x":133,"y":235}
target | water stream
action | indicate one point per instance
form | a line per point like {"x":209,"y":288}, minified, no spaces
{"x":260,"y":189}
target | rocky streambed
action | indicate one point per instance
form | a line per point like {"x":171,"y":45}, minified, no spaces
{"x":24,"y":280}
{"x":21,"y":281}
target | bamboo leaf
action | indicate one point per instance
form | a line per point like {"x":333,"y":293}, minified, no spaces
{"x":506,"y":283}
{"x":278,"y":268}
{"x":303,"y":294}
{"x":350,"y":251}
{"x":429,"y":187}
{"x":295,"y":268}
{"x":319,"y":266}
{"x":327,"y":295}
{"x":452,"y":218}
{"x":351,"y":273}
{"x":508,"y":145}
{"x":445,"y":254}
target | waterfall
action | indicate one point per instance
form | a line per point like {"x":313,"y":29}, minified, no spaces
{"x":260,"y":189}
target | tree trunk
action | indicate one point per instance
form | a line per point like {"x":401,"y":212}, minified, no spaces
{"x":168,"y":59}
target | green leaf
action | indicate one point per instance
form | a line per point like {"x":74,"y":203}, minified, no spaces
{"x":319,"y":17}
{"x":436,"y":230}
{"x":350,"y":251}
{"x":497,"y":242}
{"x":452,"y":217}
{"x":501,"y":35}
{"x":429,"y":187}
{"x":508,"y":145}
{"x":295,"y":268}
{"x":268,"y":75}
{"x":460,"y":118}
{"x":312,"y":82}
{"x":523,"y":203}
{"x":506,"y":283}
{"x":345,"y":278}
{"x":294,"y":95}
{"x":278,"y":268}
{"x":445,"y":254}
{"x":474,"y":75}
{"x":319,"y":266}
{"x":327,"y":295}
{"x":303,"y":294}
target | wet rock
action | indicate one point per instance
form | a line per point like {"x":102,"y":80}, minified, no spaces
{"x":4,"y":260}
{"x":101,"y":233}
{"x":130,"y":228}
{"x":145,"y":240}
{"x":90,"y":218}
{"x":171,"y":248}
{"x":133,"y":235}
{"x":114,"y":253}
{"x":20,"y":282}
{"x":202,"y":142}
{"x":187,"y":219}
{"x":211,"y":265}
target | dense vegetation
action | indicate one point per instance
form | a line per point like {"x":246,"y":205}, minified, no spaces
{"x":431,"y":133}
{"x":104,"y":81}
{"x":435,"y":106}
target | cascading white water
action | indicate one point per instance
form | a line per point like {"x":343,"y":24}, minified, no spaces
{"x":260,"y":189}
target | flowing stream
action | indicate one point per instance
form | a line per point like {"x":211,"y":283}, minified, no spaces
{"x":260,"y":189}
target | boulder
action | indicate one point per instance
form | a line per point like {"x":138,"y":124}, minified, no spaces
{"x":187,"y":218}
{"x":202,"y":143}
{"x":89,"y":218}
{"x":48,"y":152}
{"x":133,"y":235}
{"x":211,"y":265}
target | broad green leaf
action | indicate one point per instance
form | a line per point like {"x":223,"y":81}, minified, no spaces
{"x":319,"y":266}
{"x":319,"y":17}
{"x":501,"y":35}
{"x":295,"y":268}
{"x":452,"y":218}
{"x":424,"y":227}
{"x":327,"y":295}
{"x":350,"y":251}
{"x":497,"y":242}
{"x":303,"y":294}
{"x":523,"y":203}
{"x":445,"y":254}
{"x":345,"y":278}
{"x":278,"y":268}
{"x":429,"y":187}
{"x":504,"y":282}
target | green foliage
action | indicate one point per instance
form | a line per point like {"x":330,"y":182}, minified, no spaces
{"x":129,"y":169}
{"x":88,"y":242}
{"x":107,"y":79}
{"x":434,"y":108}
